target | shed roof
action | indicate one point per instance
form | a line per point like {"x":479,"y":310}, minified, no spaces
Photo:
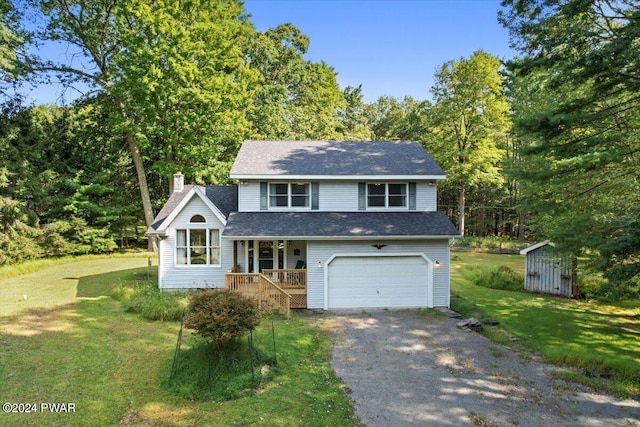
{"x":334,"y":158}
{"x":323,"y":225}
{"x":537,"y":246}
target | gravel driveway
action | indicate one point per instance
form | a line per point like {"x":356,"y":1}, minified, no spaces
{"x":407,"y":368}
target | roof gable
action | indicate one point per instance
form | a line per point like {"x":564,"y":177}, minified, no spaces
{"x":334,"y":158}
{"x":221,"y":200}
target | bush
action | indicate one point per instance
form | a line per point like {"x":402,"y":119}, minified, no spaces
{"x":502,"y":277}
{"x":146,"y":299}
{"x":221,"y":315}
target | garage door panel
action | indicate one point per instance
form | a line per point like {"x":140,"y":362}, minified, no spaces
{"x":378,"y":282}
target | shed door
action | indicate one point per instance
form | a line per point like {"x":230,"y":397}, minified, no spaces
{"x":378,"y":281}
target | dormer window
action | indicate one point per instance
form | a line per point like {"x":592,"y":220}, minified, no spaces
{"x":289,"y":195}
{"x":386,"y":195}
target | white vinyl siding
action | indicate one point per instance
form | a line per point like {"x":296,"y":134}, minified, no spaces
{"x":335,"y":196}
{"x":322,"y":251}
{"x":175,"y":276}
{"x":249,"y":196}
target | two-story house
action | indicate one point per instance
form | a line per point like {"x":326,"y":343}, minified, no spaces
{"x":353,"y":224}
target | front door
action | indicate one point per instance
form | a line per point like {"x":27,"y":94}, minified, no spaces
{"x":265,"y":255}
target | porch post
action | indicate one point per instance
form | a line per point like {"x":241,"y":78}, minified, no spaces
{"x":235,"y":256}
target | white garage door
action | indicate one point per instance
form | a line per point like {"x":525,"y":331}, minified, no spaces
{"x":378,"y":281}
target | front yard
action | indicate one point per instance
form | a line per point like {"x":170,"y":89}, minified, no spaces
{"x":64,"y":340}
{"x":600,"y":339}
{"x":73,"y":344}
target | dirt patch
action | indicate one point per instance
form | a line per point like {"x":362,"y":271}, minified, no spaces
{"x":404,"y":368}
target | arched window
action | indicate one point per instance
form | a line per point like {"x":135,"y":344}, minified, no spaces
{"x":197,"y":219}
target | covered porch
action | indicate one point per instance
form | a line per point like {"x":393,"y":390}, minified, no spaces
{"x":281,"y":262}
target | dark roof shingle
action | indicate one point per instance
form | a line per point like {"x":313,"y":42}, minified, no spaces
{"x":331,"y":158}
{"x":339,"y":224}
{"x":225,"y":197}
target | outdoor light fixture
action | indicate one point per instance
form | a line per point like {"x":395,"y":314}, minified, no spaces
{"x":319,"y":264}
{"x":437,"y":263}
{"x":378,"y":247}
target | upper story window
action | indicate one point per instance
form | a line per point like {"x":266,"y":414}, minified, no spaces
{"x":387,"y":195}
{"x":289,"y":195}
{"x":198,"y":246}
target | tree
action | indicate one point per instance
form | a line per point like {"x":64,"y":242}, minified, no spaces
{"x":394,"y":119}
{"x":470,"y":118}
{"x":577,"y":110}
{"x":295,"y":98}
{"x":173,"y":71}
{"x":355,"y":118}
{"x":10,"y":42}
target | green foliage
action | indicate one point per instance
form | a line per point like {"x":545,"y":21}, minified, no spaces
{"x":502,"y":277}
{"x":490,"y":243}
{"x":221,"y":315}
{"x":470,"y":121}
{"x":146,"y":299}
{"x":295,"y":98}
{"x":75,"y":237}
{"x":575,"y":95}
{"x":18,"y":233}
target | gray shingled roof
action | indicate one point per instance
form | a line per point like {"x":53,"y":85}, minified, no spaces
{"x":339,"y":224}
{"x":342,"y":158}
{"x":224,"y":197}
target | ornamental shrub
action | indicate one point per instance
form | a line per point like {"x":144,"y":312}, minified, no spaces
{"x":221,"y":315}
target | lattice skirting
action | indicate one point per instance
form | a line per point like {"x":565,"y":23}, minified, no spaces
{"x":299,"y":301}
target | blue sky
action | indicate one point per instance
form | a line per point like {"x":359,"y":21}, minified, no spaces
{"x":391,"y":47}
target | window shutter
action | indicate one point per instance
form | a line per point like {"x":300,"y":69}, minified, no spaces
{"x":264,"y":201}
{"x":362,"y":196}
{"x":315,"y":196}
{"x":412,"y":196}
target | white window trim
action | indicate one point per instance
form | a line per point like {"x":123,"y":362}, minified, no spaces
{"x":386,"y":206}
{"x":188,"y":247}
{"x":289,"y":196}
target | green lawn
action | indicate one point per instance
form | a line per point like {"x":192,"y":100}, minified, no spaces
{"x":70,"y":343}
{"x":601,"y":339}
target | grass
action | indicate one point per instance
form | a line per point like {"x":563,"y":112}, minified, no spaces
{"x":600,"y":339}
{"x":71,"y":342}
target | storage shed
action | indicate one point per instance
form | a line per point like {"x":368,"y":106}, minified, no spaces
{"x":549,"y":271}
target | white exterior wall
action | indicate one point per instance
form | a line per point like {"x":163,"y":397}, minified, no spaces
{"x":334,"y":196}
{"x":426,"y":197}
{"x":322,"y":251}
{"x":249,"y":196}
{"x":172,"y":276}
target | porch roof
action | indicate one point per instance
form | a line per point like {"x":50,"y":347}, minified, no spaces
{"x":346,"y":225}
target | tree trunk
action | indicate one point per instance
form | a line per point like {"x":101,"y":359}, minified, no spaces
{"x":461,"y":208}
{"x":140,"y":172}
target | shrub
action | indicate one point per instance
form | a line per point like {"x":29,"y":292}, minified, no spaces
{"x":146,"y":299}
{"x":502,"y":277}
{"x":221,"y":315}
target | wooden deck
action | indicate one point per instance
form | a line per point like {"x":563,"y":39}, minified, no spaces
{"x":294,"y":281}
{"x":282,"y":289}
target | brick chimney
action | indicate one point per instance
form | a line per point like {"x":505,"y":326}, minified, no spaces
{"x":178,"y":182}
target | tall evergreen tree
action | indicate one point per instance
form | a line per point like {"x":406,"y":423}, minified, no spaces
{"x":577,"y":108}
